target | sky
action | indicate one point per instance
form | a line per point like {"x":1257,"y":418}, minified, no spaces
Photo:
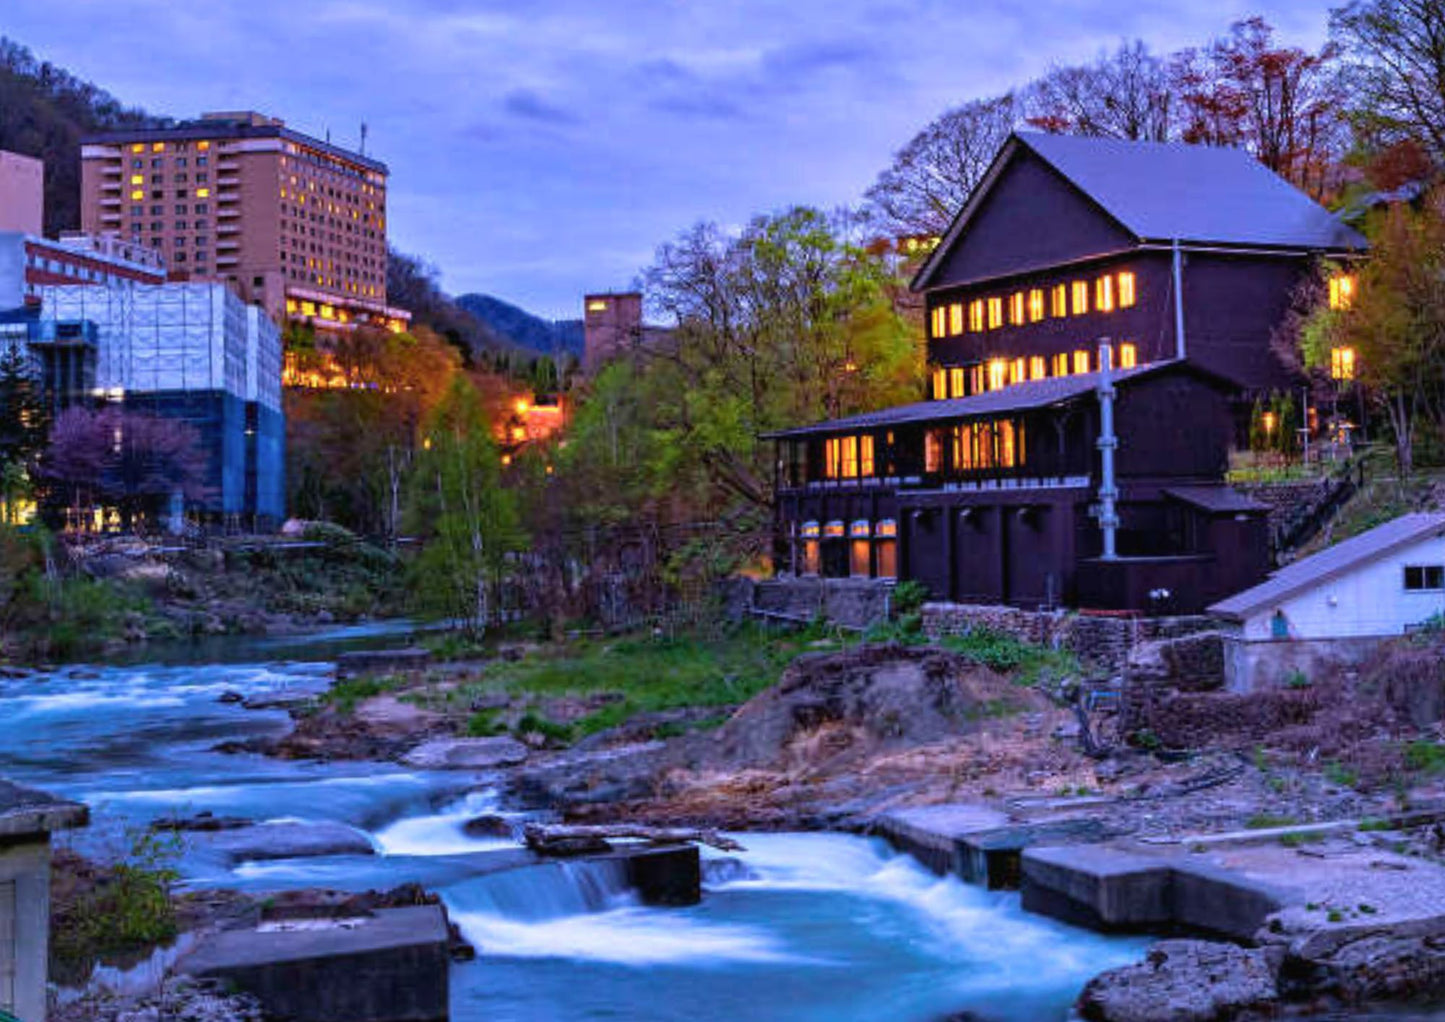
{"x":543,"y":150}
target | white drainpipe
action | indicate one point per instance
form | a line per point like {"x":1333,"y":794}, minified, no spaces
{"x":1108,"y":442}
{"x":1180,"y":350}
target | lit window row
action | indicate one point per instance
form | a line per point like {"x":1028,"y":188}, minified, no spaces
{"x":972,"y":446}
{"x":995,"y":374}
{"x":1102,"y":294}
{"x":848,"y":457}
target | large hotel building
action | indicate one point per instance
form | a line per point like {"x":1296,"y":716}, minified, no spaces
{"x":292,"y":223}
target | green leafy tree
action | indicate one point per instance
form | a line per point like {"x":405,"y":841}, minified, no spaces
{"x":468,"y":521}
{"x":24,"y":425}
{"x":1397,"y":55}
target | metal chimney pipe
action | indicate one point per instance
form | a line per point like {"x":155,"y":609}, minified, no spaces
{"x":1107,"y":444}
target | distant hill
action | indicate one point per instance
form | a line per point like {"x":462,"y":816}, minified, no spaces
{"x":44,"y":111}
{"x":522,"y":329}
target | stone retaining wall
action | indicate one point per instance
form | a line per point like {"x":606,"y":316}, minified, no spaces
{"x":1101,"y":642}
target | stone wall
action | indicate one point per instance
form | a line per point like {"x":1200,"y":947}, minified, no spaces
{"x":849,"y":602}
{"x":1102,"y":642}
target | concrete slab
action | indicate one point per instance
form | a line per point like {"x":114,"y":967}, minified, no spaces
{"x":933,"y":834}
{"x":1099,"y":887}
{"x":389,"y":967}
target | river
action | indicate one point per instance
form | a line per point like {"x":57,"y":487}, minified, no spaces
{"x":810,"y":927}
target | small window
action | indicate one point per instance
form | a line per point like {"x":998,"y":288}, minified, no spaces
{"x":956,"y":382}
{"x":955,"y":319}
{"x":1018,"y":371}
{"x":978,"y":383}
{"x":975,"y":315}
{"x":1059,"y":303}
{"x":865,"y":455}
{"x":1081,"y":361}
{"x":995,"y":313}
{"x":1016,"y":309}
{"x":1081,"y":297}
{"x":940,"y":385}
{"x":1127,"y":295}
{"x":1104,"y":294}
{"x":1424,"y":578}
{"x":1038,"y":368}
{"x":1036,"y":305}
{"x":1061,"y":364}
{"x":997,"y":374}
{"x":933,"y":450}
{"x":1128,"y":356}
{"x":939,"y":319}
{"x":1342,"y":364}
{"x":1342,"y":291}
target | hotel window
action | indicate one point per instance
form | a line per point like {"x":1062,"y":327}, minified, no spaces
{"x":940,"y":384}
{"x":885,"y":548}
{"x":995,"y":313}
{"x":1342,"y":291}
{"x":975,"y":315}
{"x":1081,"y":297}
{"x":939,"y":317}
{"x":981,"y":434}
{"x":1018,"y":371}
{"x":1016,"y":309}
{"x":1104,"y":294}
{"x":955,"y":319}
{"x":1010,"y":444}
{"x":1128,"y":356}
{"x":978,"y":382}
{"x":1059,"y":301}
{"x":865,"y":455}
{"x":955,"y":382}
{"x":1126,"y":291}
{"x":138,"y":148}
{"x":203,"y":193}
{"x":137,"y":195}
{"x":1036,"y":305}
{"x":1342,"y":364}
{"x":1081,"y":361}
{"x":1424,"y":578}
{"x":933,"y":450}
{"x":1061,"y":364}
{"x":830,"y":446}
{"x":1038,"y":368}
{"x":997,"y":374}
{"x":850,"y":457}
{"x":859,"y":553}
{"x":137,"y":179}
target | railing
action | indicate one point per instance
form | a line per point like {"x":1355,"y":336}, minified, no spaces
{"x":1340,"y":489}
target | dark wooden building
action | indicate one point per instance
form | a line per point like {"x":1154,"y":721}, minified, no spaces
{"x":1178,"y":260}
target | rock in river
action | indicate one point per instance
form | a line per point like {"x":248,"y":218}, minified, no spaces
{"x":466,"y":753}
{"x":266,"y":841}
{"x":1185,"y":981}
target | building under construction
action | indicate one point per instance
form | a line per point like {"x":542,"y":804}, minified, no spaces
{"x":191,"y":352}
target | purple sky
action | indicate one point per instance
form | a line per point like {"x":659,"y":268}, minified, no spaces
{"x":545,"y":149}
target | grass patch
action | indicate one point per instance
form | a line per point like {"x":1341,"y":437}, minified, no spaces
{"x":1264,"y":821}
{"x":1425,"y":757}
{"x":1029,"y":663}
{"x":1297,"y":839}
{"x":344,"y":695}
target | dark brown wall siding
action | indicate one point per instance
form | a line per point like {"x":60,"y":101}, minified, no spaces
{"x":1032,"y":219}
{"x":1232,"y":306}
{"x":1172,"y":426}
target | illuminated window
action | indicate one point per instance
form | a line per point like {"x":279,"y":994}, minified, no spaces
{"x":859,"y":557}
{"x":997,"y":374}
{"x":1081,"y":297}
{"x":1104,"y":294}
{"x":1061,"y":364}
{"x":962,"y":449}
{"x":1038,"y":368}
{"x":1036,"y":305}
{"x":933,"y":450}
{"x":830,"y":458}
{"x":137,"y":195}
{"x":203,"y":146}
{"x":138,"y":148}
{"x":982,"y":441}
{"x":850,"y":457}
{"x":940,"y":385}
{"x":1018,"y":371}
{"x":1128,"y":356}
{"x":995,"y":313}
{"x":1342,"y":291}
{"x":1126,"y":290}
{"x":1342,"y":363}
{"x":955,"y":319}
{"x":977,"y":379}
{"x":955,"y":382}
{"x":1010,"y":444}
{"x":1081,"y":361}
{"x":158,"y":147}
{"x":203,"y":193}
{"x":939,"y":319}
{"x":1016,"y":309}
{"x":137,"y":179}
{"x":1059,"y":303}
{"x":975,"y":315}
{"x":865,"y":455}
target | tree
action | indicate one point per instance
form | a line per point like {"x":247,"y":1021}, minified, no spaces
{"x":24,"y":424}
{"x":932,"y":176}
{"x":1126,"y":94}
{"x":1395,"y":325}
{"x":1283,"y":104}
{"x":131,"y":460}
{"x":468,"y":521}
{"x":1396,"y":50}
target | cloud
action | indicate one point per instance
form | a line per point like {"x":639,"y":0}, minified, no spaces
{"x":530,"y":106}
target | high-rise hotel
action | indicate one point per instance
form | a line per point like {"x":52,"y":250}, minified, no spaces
{"x":292,"y":223}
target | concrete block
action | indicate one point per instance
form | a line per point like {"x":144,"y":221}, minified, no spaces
{"x":669,"y":876}
{"x":388,"y":967}
{"x":1098,"y":887}
{"x":993,"y":858}
{"x":934,"y":834}
{"x":1220,"y":902}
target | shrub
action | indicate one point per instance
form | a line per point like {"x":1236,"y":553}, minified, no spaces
{"x":124,"y":908}
{"x":908,"y":597}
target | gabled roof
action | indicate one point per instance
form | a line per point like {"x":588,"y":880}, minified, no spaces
{"x":1164,"y":192}
{"x":1015,"y":398}
{"x":1218,"y":500}
{"x":1333,"y":562}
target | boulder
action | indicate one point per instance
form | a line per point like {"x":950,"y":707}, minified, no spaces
{"x":466,"y":754}
{"x":1185,"y":981}
{"x":266,"y":841}
{"x":490,"y":826}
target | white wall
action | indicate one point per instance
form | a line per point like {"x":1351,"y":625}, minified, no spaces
{"x":1369,"y":601}
{"x":12,"y":270}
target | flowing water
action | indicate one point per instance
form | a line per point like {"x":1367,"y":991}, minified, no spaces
{"x":799,"y":927}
